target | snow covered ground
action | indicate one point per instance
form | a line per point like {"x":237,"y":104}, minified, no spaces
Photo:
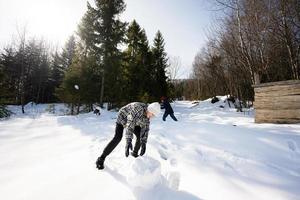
{"x":211,"y":153}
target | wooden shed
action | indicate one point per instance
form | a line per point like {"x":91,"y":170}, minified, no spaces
{"x":277,"y":102}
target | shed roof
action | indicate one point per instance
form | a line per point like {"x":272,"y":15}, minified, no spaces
{"x":289,"y":82}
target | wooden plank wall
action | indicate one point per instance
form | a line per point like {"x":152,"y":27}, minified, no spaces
{"x":277,"y":102}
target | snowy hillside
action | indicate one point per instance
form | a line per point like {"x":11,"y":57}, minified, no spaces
{"x":211,"y":153}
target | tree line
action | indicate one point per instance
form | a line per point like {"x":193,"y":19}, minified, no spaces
{"x":256,"y":42}
{"x":106,"y":61}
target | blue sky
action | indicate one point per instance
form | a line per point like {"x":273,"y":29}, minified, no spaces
{"x":183,"y":23}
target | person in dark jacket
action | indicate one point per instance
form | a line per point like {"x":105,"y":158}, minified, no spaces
{"x":168,"y":109}
{"x":135,"y":117}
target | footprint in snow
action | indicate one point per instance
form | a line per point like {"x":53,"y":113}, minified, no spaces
{"x":163,"y":154}
{"x":292,"y":145}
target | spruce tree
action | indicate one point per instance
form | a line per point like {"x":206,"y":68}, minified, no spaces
{"x":81,"y":73}
{"x":86,"y":32}
{"x":137,"y":63}
{"x":37,"y":65}
{"x":160,"y":63}
{"x":102,"y":31}
{"x":56,"y":75}
{"x":57,"y":70}
{"x":67,"y":92}
{"x":3,"y":91}
{"x":9,"y":76}
{"x":68,"y":53}
{"x":61,"y":63}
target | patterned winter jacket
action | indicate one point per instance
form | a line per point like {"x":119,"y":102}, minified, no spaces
{"x":134,"y":114}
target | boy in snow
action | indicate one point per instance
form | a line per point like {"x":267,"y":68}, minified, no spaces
{"x":168,"y":109}
{"x":135,"y":117}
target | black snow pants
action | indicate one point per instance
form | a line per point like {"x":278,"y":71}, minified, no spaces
{"x":118,"y":137}
{"x":171,"y":114}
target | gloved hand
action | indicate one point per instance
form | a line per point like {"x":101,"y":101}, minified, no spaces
{"x":143,"y":149}
{"x":127,"y":147}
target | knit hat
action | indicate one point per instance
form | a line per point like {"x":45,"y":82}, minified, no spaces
{"x":154,"y":108}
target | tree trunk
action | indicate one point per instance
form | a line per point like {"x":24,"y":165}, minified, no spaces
{"x":72,"y":108}
{"x":288,"y":43}
{"x":78,"y":108}
{"x":102,"y":90}
{"x":242,"y":43}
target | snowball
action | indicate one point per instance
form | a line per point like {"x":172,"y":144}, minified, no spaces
{"x":144,"y":172}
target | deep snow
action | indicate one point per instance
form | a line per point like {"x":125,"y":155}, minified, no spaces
{"x":211,"y":153}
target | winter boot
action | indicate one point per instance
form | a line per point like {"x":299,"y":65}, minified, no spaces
{"x":134,"y":154}
{"x":100,"y":163}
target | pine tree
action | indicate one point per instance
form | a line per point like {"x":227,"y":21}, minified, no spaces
{"x":89,"y":82}
{"x":160,"y":63}
{"x":80,"y":73}
{"x":68,"y":53}
{"x":37,"y":65}
{"x":86,"y":32}
{"x":104,"y":33}
{"x":132,"y":67}
{"x":61,"y":63}
{"x":57,"y":70}
{"x":67,"y":92}
{"x":26,"y":67}
{"x":56,"y":75}
{"x":3,"y":91}
{"x":147,"y":62}
{"x":137,"y":64}
{"x":9,"y":76}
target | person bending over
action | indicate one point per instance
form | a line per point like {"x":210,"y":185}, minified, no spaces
{"x":135,"y":117}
